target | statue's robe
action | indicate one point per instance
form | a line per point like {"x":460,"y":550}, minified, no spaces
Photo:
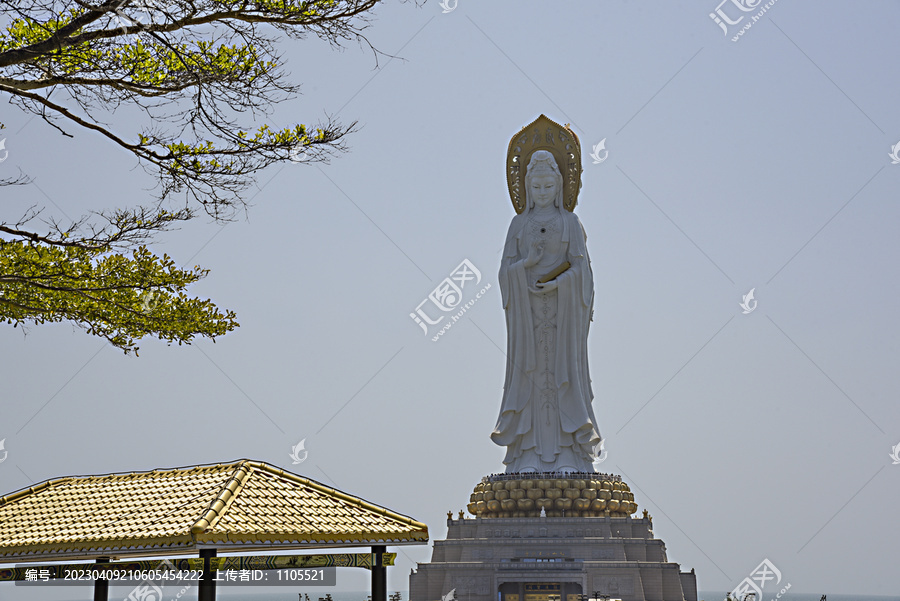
{"x":520,"y":427}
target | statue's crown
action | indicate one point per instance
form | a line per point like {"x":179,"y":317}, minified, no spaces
{"x":542,"y":163}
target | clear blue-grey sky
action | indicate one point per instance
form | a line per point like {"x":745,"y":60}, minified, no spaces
{"x":757,"y":164}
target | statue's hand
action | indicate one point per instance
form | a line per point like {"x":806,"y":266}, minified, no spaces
{"x":534,"y":255}
{"x":546,"y":287}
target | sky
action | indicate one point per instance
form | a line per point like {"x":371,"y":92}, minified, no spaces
{"x":762,"y":164}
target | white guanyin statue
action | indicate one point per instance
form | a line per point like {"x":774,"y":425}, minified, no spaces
{"x":546,"y":420}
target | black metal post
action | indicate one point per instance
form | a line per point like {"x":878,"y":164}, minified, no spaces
{"x":379,"y":575}
{"x":101,"y":587}
{"x":207,"y":590}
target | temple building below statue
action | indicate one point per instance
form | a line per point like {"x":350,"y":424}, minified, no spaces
{"x":551,"y":559}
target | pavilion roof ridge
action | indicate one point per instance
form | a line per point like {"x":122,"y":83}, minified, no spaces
{"x":229,"y":492}
{"x":22,"y":492}
{"x":47,"y":483}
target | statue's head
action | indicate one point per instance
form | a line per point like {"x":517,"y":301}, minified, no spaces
{"x":543,"y":181}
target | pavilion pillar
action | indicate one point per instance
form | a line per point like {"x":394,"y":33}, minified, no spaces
{"x":207,"y":590}
{"x":379,"y":574}
{"x":101,"y":587}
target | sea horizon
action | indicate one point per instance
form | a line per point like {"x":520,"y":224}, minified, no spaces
{"x":269,"y":595}
{"x":286,"y":594}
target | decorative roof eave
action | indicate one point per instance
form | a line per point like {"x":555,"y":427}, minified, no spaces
{"x":92,"y":552}
{"x":273,"y":540}
{"x":292,"y":547}
{"x":94,"y":549}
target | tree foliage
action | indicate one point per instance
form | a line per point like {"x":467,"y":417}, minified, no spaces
{"x":197,"y":69}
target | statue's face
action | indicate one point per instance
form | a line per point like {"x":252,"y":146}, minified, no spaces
{"x":543,"y":190}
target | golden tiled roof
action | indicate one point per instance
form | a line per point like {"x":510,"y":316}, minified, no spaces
{"x":245,"y":505}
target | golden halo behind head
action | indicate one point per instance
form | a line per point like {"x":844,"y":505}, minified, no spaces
{"x":544,"y":134}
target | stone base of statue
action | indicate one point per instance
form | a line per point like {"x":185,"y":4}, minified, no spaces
{"x":580,"y":546}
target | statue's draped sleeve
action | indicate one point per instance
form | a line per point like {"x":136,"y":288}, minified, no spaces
{"x":520,"y":331}
{"x":576,"y":298}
